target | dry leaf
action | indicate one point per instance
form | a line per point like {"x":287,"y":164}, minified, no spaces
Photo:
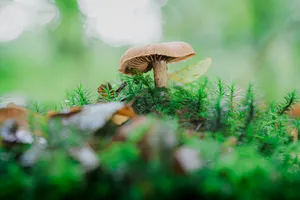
{"x":20,"y":116}
{"x":90,"y":117}
{"x":123,"y":115}
{"x":65,"y":113}
{"x":93,"y":117}
{"x":191,"y":73}
{"x":119,"y":119}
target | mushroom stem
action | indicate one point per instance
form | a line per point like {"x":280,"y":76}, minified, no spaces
{"x":160,"y":70}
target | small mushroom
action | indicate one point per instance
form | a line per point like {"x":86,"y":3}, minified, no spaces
{"x":155,"y":56}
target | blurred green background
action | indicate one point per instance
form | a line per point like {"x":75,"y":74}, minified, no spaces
{"x":248,"y":40}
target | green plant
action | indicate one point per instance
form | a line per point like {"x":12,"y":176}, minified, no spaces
{"x":78,"y":97}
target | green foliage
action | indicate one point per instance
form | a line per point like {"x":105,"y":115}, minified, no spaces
{"x":78,"y":97}
{"x":37,"y":107}
{"x":290,"y":100}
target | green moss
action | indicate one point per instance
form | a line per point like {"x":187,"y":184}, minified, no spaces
{"x":204,"y":115}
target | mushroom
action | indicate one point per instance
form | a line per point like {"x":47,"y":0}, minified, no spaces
{"x":155,"y":56}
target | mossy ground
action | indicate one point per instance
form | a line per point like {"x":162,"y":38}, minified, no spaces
{"x":246,"y":148}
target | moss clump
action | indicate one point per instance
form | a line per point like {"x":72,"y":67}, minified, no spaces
{"x":205,"y":140}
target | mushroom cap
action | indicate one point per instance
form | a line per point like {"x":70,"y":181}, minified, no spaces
{"x":140,"y":57}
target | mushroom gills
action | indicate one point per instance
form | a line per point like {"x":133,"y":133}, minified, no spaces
{"x":147,"y":61}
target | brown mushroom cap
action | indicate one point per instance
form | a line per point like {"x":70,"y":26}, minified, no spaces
{"x":140,"y":57}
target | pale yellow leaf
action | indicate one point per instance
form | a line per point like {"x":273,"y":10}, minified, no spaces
{"x":192,"y":72}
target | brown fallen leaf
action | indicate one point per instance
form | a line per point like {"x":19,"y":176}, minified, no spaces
{"x":90,"y":117}
{"x":127,"y":110}
{"x":118,"y":116}
{"x":119,"y":119}
{"x":65,"y":113}
{"x":23,"y":118}
{"x":123,"y":115}
{"x":19,"y":114}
